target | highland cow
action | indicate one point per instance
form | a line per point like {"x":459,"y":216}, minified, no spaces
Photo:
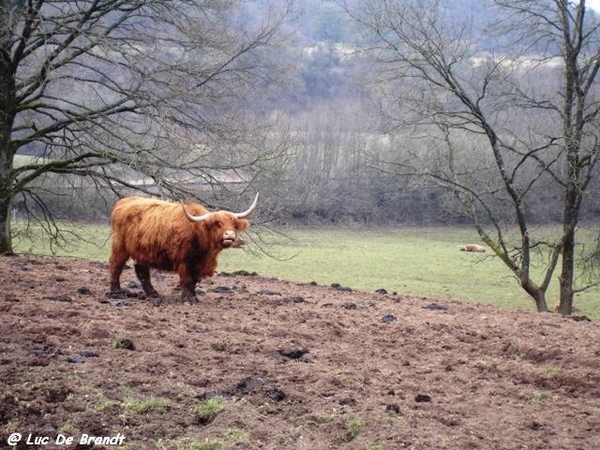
{"x":186,"y":239}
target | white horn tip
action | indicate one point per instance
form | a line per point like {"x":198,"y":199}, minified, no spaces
{"x":249,"y":210}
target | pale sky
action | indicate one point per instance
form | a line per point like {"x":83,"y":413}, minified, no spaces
{"x":595,"y":4}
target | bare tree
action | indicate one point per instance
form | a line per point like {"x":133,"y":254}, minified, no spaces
{"x":530,"y":109}
{"x":118,"y":91}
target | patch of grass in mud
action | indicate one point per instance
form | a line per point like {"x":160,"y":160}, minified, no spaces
{"x":551,"y":369}
{"x":538,"y":397}
{"x":123,"y":343}
{"x":353,"y":428}
{"x":151,"y":405}
{"x":103,"y":405}
{"x":206,"y":411}
{"x":233,"y":438}
{"x":67,"y":429}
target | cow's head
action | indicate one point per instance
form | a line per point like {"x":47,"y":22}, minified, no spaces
{"x":223,"y":226}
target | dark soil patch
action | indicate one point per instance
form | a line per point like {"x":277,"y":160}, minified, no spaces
{"x":293,"y":366}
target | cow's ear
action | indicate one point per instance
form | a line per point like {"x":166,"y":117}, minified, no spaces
{"x":242,"y":224}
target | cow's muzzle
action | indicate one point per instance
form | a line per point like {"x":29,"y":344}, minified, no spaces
{"x":228,"y":238}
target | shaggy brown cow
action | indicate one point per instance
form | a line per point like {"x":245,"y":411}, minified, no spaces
{"x":472,"y":248}
{"x":170,"y":236}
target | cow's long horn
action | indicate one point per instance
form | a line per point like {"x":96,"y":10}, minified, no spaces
{"x":192,"y":218}
{"x":249,"y":210}
{"x":203,"y":217}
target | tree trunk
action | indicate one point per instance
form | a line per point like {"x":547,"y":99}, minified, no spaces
{"x":536,"y":293}
{"x":7,"y":151}
{"x":568,"y":255}
{"x":6,"y":193}
{"x":5,"y":239}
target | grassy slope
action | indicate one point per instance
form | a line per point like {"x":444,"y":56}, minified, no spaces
{"x":413,"y":261}
{"x":422,"y":262}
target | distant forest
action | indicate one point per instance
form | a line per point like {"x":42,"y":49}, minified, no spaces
{"x":336,"y":154}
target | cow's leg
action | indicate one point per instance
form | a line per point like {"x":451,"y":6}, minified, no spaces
{"x":188,"y":284}
{"x":116,"y":264}
{"x":143,"y":274}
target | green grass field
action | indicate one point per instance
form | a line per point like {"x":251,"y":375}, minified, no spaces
{"x":410,"y":261}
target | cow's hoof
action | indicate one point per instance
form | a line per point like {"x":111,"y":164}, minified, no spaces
{"x":156,"y":300}
{"x":189,"y":299}
{"x":118,"y":294}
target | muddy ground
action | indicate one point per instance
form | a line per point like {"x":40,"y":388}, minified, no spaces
{"x":261,"y":363}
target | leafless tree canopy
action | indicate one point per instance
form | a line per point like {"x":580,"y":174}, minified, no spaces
{"x":121,"y":91}
{"x":529,"y":109}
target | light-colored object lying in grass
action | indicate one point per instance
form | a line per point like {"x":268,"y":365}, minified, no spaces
{"x":472,"y":248}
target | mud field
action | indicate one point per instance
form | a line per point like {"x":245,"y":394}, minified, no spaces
{"x":261,"y":363}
